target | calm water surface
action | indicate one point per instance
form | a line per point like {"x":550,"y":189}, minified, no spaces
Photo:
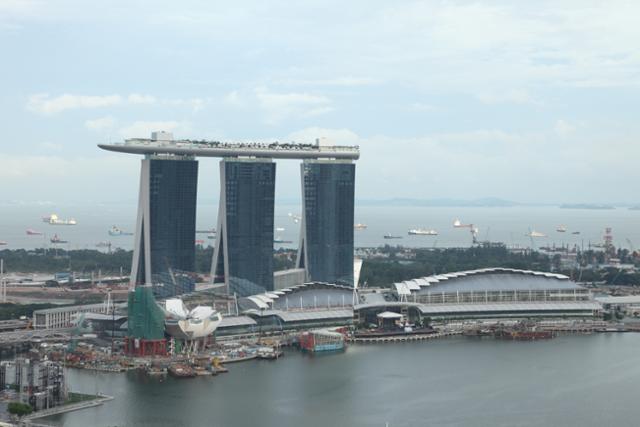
{"x":569,"y":381}
{"x":508,"y":225}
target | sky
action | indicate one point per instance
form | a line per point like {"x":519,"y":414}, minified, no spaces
{"x":527,"y":101}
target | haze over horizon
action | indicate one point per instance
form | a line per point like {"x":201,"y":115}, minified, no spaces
{"x":447,"y":99}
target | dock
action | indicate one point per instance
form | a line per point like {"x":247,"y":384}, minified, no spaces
{"x":404,"y":337}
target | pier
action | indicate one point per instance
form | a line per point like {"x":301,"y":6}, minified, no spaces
{"x":99,"y":400}
{"x":404,"y":337}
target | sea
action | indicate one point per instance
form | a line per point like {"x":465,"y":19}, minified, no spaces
{"x":572,"y":380}
{"x":509,"y":225}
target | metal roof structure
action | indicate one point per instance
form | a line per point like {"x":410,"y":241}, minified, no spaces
{"x":304,"y":315}
{"x":508,"y":307}
{"x":231,"y":321}
{"x":628,"y":299}
{"x":491,"y":279}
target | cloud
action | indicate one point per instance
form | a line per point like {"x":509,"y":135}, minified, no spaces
{"x":423,"y":107}
{"x":514,"y":96}
{"x":136,"y":98}
{"x":50,"y":146}
{"x":276,"y":107}
{"x":564,"y":128}
{"x":334,"y":136}
{"x":43,"y":104}
{"x":282,"y":106}
{"x":100,"y":124}
{"x":345,"y":81}
{"x":143,"y":129}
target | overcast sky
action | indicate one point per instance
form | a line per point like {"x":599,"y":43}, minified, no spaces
{"x":529,"y":101}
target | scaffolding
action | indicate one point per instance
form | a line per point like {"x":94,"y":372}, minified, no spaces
{"x":145,"y":324}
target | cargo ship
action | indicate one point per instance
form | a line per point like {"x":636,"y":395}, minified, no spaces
{"x":31,"y":232}
{"x":281,"y":240}
{"x":391,"y":236}
{"x":115,"y":231}
{"x":321,"y":341}
{"x":422,"y":232}
{"x":54,"y":220}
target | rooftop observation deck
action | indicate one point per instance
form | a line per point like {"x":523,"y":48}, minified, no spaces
{"x":275,"y":150}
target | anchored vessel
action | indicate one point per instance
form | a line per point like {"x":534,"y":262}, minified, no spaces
{"x":54,"y":220}
{"x":422,"y":232}
{"x":115,"y":231}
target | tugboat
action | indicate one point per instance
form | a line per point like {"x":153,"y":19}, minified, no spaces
{"x":55,"y":239}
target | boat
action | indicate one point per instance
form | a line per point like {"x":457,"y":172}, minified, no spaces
{"x":103,"y":244}
{"x":523,"y":335}
{"x":295,"y":218}
{"x":115,"y":231}
{"x":322,"y":340}
{"x":422,"y":232}
{"x":54,"y":220}
{"x":359,"y":226}
{"x":279,"y":228}
{"x":576,"y":232}
{"x":212,"y":231}
{"x":458,"y":224}
{"x":281,"y":240}
{"x":534,"y":233}
{"x":391,"y":236}
{"x":561,"y":229}
{"x":269,"y":353}
{"x":31,"y":232}
{"x":3,"y":243}
{"x":211,"y":236}
{"x":180,"y":370}
{"x":56,"y":239}
{"x":156,"y":370}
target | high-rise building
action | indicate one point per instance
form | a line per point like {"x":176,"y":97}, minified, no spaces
{"x":326,"y":242}
{"x":243,"y":256}
{"x":164,"y":251}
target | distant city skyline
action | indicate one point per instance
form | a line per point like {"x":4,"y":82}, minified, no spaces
{"x":533,"y":103}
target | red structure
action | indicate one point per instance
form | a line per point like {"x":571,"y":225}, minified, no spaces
{"x":141,"y":347}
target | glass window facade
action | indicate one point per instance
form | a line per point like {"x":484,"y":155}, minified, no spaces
{"x":247,"y":226}
{"x":173,"y":186}
{"x":327,"y":248}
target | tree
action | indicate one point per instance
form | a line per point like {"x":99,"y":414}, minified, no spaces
{"x":19,"y":408}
